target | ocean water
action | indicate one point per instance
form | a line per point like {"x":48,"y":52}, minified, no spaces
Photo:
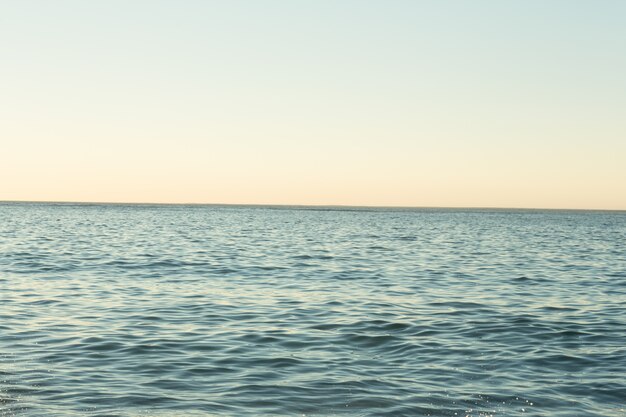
{"x":122,"y":310}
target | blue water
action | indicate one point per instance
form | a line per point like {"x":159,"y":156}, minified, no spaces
{"x":118,"y":310}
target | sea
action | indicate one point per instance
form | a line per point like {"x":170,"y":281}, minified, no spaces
{"x":204,"y":310}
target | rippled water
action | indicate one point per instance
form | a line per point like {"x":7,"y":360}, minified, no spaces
{"x":113,"y":310}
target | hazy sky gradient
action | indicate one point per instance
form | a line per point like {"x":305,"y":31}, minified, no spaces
{"x":412,"y":103}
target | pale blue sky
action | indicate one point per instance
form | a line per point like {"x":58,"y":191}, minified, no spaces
{"x":421,"y":103}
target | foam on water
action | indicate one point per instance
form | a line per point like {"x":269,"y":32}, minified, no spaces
{"x":113,"y":310}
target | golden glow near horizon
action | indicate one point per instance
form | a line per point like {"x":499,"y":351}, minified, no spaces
{"x":409,"y":103}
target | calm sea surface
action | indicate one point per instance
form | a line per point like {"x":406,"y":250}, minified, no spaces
{"x":117,"y":310}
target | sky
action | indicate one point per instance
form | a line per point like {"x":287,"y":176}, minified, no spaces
{"x":477,"y":103}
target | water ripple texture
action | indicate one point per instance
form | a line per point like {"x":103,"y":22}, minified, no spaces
{"x":147,"y":310}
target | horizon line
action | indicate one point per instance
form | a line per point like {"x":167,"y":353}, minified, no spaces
{"x":337,"y":206}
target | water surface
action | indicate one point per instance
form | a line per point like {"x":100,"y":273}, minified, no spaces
{"x":116,"y":310}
